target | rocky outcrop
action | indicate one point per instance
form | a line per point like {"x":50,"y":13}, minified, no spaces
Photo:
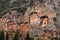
{"x":39,"y":20}
{"x":40,"y":17}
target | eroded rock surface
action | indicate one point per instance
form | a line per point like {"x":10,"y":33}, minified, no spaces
{"x":38,"y":21}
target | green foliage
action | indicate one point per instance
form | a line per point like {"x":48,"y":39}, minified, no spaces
{"x":7,"y":36}
{"x":2,"y":35}
{"x":16,"y":36}
{"x":27,"y":37}
{"x":7,"y":5}
{"x":55,"y":38}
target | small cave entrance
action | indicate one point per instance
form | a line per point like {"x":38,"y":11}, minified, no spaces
{"x":44,"y":20}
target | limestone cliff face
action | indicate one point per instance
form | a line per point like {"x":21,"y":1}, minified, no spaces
{"x":38,"y":10}
{"x":15,"y":16}
{"x":42,"y":18}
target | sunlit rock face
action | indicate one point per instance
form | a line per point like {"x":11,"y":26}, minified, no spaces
{"x":24,"y":28}
{"x":33,"y":14}
{"x":40,"y":18}
{"x":2,"y":24}
{"x":34,"y":19}
{"x":14,"y":15}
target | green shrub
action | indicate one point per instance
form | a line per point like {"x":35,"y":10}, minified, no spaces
{"x":16,"y":36}
{"x":2,"y":35}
